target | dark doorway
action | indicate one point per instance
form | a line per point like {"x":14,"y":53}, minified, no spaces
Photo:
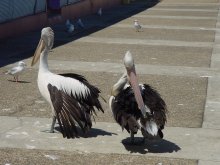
{"x":53,"y":8}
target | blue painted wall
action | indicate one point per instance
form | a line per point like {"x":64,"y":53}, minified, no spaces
{"x":13,"y":9}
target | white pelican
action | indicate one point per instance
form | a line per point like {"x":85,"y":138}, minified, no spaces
{"x":72,"y":98}
{"x":137,"y":26}
{"x":137,"y":106}
{"x":17,"y":70}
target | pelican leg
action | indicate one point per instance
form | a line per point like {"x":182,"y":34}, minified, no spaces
{"x":16,"y":78}
{"x":53,"y":124}
{"x":132,"y":137}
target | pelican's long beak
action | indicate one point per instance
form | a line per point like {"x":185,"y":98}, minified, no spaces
{"x":130,"y":67}
{"x":38,"y":51}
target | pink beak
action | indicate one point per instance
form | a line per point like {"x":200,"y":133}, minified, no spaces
{"x":130,"y":67}
{"x":137,"y":93}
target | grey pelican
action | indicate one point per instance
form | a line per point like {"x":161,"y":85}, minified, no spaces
{"x":17,"y":70}
{"x":137,"y":26}
{"x":72,"y":98}
{"x":137,"y":106}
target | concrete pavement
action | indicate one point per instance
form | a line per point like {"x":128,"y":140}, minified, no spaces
{"x":25,"y":132}
{"x":182,"y":63}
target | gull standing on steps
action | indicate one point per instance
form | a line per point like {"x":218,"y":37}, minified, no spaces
{"x":137,"y":26}
{"x":80,"y":23}
{"x":99,"y":12}
{"x":72,"y":98}
{"x":137,"y":106}
{"x":69,"y":26}
{"x":17,"y":70}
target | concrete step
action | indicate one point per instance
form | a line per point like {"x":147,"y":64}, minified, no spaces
{"x":188,"y":143}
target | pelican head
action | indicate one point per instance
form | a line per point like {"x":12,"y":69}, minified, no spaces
{"x":128,"y":61}
{"x":46,"y":42}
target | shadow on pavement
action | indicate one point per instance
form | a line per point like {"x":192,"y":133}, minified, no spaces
{"x":23,"y":82}
{"x":21,"y":47}
{"x":162,"y":146}
{"x":94,"y":132}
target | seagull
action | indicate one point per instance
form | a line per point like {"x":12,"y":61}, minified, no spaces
{"x":99,"y":11}
{"x":72,"y":98}
{"x":17,"y":70}
{"x":137,"y":26}
{"x":67,"y":23}
{"x":137,"y":106}
{"x":80,"y":23}
{"x":69,"y":26}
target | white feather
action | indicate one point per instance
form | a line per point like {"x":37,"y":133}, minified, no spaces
{"x":17,"y":69}
{"x":68,"y":85}
{"x":151,"y":127}
{"x":137,"y":26}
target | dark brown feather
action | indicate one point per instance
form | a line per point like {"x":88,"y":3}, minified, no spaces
{"x":156,"y":104}
{"x":127,"y":113}
{"x":92,"y":98}
{"x":69,"y":112}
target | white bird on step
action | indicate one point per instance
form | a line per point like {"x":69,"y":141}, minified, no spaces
{"x":69,"y":26}
{"x":80,"y":23}
{"x":72,"y":98}
{"x":99,"y":12}
{"x":137,"y":106}
{"x":137,"y":26}
{"x":17,"y":70}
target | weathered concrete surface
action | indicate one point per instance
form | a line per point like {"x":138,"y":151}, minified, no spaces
{"x":198,"y":14}
{"x":155,"y":55}
{"x":185,"y":94}
{"x":13,"y":156}
{"x":212,"y":109}
{"x":190,"y":88}
{"x":25,"y":132}
{"x":201,"y":162}
{"x":172,"y":22}
{"x":157,"y":34}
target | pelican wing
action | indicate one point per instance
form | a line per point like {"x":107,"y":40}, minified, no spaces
{"x":125,"y":110}
{"x":155,"y":103}
{"x":91,"y":98}
{"x":69,"y":112}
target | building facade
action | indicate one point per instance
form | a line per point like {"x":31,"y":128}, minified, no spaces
{"x":21,"y":16}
